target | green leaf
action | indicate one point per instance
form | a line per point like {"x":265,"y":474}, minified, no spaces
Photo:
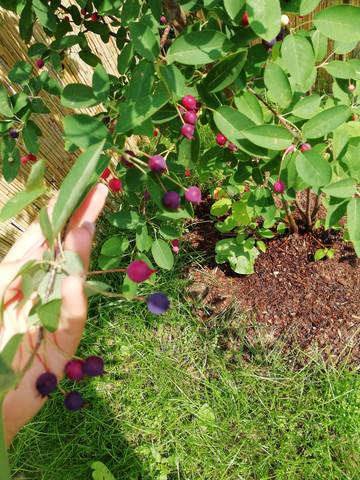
{"x":89,"y":58}
{"x":77,"y":95}
{"x":273,"y":137}
{"x":35,"y":178}
{"x":145,"y":41}
{"x":225,"y":71}
{"x":19,"y":201}
{"x":264,"y":17}
{"x":174,"y":80}
{"x":115,"y":246}
{"x":100,"y":83}
{"x":83,"y":130}
{"x":7,"y":382}
{"x":74,"y":185}
{"x":130,"y":12}
{"x":206,"y":415}
{"x":313,"y":168}
{"x":249,"y":105}
{"x":326,"y":121}
{"x":265,"y":233}
{"x":142,"y":80}
{"x":340,"y":22}
{"x":20,"y":72}
{"x":298,"y":57}
{"x":142,"y":238}
{"x":49,"y":314}
{"x":189,"y":151}
{"x":64,"y":42}
{"x":341,"y":189}
{"x":307,"y":6}
{"x":125,"y":58}
{"x":100,"y":470}
{"x":5,"y":105}
{"x":127,"y":220}
{"x":135,"y":113}
{"x":261,"y":246}
{"x":319,"y":254}
{"x":278,"y":84}
{"x":96,"y":284}
{"x":168,"y":232}
{"x":353,"y":222}
{"x":220,"y":207}
{"x":129,"y":288}
{"x":30,"y":139}
{"x":45,"y":14}
{"x":340,"y":69}
{"x":10,"y":349}
{"x":234,"y":9}
{"x":37,"y":49}
{"x":306,"y":107}
{"x":162,"y":254}
{"x":335,"y":210}
{"x":198,"y":48}
{"x":320,"y":43}
{"x":243,"y":265}
{"x":109,"y":263}
{"x":46,"y":227}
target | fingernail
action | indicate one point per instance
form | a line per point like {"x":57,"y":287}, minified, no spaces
{"x":90,"y":227}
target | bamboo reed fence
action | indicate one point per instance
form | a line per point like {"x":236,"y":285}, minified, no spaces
{"x":58,"y":161}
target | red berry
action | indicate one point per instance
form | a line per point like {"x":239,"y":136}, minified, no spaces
{"x":39,"y":63}
{"x":94,"y":17}
{"x":105,"y":173}
{"x":46,"y":383}
{"x":279,"y":187}
{"x":93,"y":366}
{"x":115,"y":185}
{"x":67,"y":18}
{"x":74,"y":370}
{"x":221,"y":139}
{"x":187,"y":131}
{"x":189,"y":102}
{"x":31,"y":157}
{"x":193,"y":195}
{"x":139,"y":271}
{"x":354,"y":118}
{"x":171,"y":200}
{"x":126,"y":162}
{"x":175,"y":243}
{"x":187,"y":173}
{"x":13,"y":134}
{"x":245,"y":20}
{"x":158,"y":303}
{"x":163,"y":19}
{"x":23,"y":160}
{"x":289,"y":149}
{"x":232,"y":147}
{"x":157,"y":164}
{"x":175,"y":249}
{"x":73,"y":401}
{"x":83,"y":12}
{"x":190,"y":117}
{"x":305,"y":146}
{"x":155,"y":133}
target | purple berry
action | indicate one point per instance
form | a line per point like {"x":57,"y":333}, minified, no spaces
{"x":74,"y":370}
{"x":147,"y":195}
{"x":106,"y":120}
{"x":190,"y":117}
{"x":193,"y":195}
{"x":158,"y":303}
{"x":279,"y":187}
{"x":13,"y":134}
{"x":157,"y":164}
{"x":139,"y":271}
{"x":74,"y":401}
{"x":280,"y":35}
{"x":221,"y":139}
{"x":39,"y":63}
{"x":187,"y":131}
{"x":126,"y":162}
{"x":270,"y":44}
{"x":93,"y":366}
{"x":171,"y":200}
{"x":189,"y":102}
{"x":232,"y":147}
{"x":46,"y":383}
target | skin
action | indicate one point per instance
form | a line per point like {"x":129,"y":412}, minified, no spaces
{"x":22,"y":403}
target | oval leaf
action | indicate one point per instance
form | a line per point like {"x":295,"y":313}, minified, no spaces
{"x":342,"y":189}
{"x":313,"y":168}
{"x":273,"y":137}
{"x":162,"y":254}
{"x":298,"y":57}
{"x":225,"y":72}
{"x":77,"y":95}
{"x":145,"y":41}
{"x":278,"y":84}
{"x":326,"y":121}
{"x":340,"y":22}
{"x":264,"y":17}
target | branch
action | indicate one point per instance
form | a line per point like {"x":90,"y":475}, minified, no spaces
{"x":316,"y":207}
{"x":177,"y":15}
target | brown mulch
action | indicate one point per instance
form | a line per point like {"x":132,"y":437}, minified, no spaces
{"x":314,"y":306}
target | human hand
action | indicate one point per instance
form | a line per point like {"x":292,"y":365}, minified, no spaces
{"x":22,"y":403}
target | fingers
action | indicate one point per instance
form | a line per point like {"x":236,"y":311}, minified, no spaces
{"x":72,"y":316}
{"x":79,"y":240}
{"x":90,"y":208}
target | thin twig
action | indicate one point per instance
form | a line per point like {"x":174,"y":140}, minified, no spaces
{"x":293,"y":226}
{"x":316,"y":207}
{"x":308,"y":214}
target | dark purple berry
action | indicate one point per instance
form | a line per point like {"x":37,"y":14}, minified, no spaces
{"x":147,"y":195}
{"x":270,"y":44}
{"x":232,"y":147}
{"x":187,"y":131}
{"x":158,"y":303}
{"x":139,"y":271}
{"x":157,"y":164}
{"x":280,"y":35}
{"x":189,"y":102}
{"x":193,"y":195}
{"x":190,"y":117}
{"x":106,"y":120}
{"x":46,"y":383}
{"x":93,"y":366}
{"x":171,"y":199}
{"x":126,"y":162}
{"x":74,"y":370}
{"x":13,"y":134}
{"x":74,"y":401}
{"x":39,"y":62}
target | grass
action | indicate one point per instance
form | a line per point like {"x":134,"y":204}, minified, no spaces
{"x":176,"y":403}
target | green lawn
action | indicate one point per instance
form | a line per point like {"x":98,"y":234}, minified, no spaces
{"x":175,"y":404}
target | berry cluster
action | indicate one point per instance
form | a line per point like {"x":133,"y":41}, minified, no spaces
{"x":74,"y":370}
